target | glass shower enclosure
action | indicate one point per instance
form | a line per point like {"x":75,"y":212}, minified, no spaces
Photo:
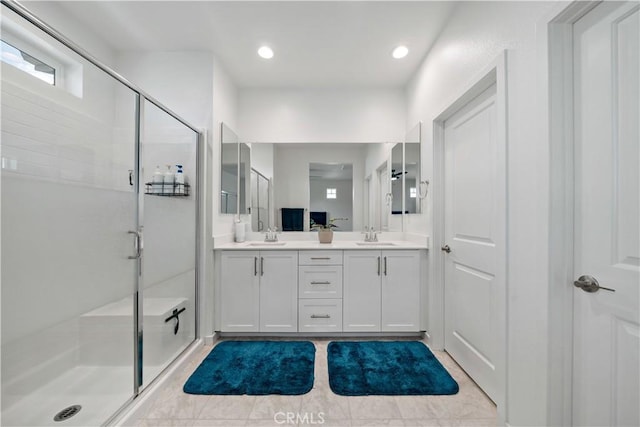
{"x":98,"y":271}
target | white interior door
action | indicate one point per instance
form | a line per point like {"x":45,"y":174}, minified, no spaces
{"x":606,"y":340}
{"x":474,"y":236}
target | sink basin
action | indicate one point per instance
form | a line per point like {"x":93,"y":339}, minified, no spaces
{"x":267,"y":244}
{"x":375,"y":244}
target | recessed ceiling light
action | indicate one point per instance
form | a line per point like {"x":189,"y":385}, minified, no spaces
{"x":400,"y":52}
{"x":265,"y":52}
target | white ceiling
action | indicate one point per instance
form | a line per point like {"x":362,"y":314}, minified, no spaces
{"x":316,"y":43}
{"x":332,"y":171}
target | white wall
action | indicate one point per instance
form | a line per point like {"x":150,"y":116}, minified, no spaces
{"x":58,"y":18}
{"x":182,"y":81}
{"x":262,"y":159}
{"x":476,"y":34}
{"x":224,"y":111}
{"x":321,"y":115}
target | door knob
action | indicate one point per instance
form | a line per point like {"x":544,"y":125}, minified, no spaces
{"x":590,"y":284}
{"x":446,"y":248}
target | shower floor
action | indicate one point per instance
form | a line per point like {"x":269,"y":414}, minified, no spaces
{"x":100,"y":390}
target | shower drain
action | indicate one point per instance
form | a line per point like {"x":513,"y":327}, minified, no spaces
{"x":67,"y":413}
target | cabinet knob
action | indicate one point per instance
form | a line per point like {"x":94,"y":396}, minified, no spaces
{"x":446,"y":248}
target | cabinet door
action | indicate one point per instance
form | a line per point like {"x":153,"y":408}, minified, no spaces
{"x":361,"y":291}
{"x":278,"y":291}
{"x":400,"y":291}
{"x":240,"y":294}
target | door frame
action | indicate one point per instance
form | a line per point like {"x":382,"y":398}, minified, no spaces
{"x":494,"y":73}
{"x":557,"y":69}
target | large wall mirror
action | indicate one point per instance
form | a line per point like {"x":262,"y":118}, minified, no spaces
{"x":302,"y":174}
{"x":359,"y":185}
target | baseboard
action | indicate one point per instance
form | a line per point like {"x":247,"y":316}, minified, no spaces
{"x":210,"y":339}
{"x":307,"y":335}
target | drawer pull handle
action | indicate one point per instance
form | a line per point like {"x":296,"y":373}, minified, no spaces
{"x":324,"y":257}
{"x":321,"y":283}
{"x":320,"y":316}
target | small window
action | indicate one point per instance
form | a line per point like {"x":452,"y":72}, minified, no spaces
{"x":413,"y":192}
{"x":331,"y":193}
{"x":27,"y":63}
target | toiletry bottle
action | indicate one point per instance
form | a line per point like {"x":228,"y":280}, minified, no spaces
{"x":157,"y":181}
{"x":239,"y":232}
{"x":179,"y":180}
{"x":168,"y":181}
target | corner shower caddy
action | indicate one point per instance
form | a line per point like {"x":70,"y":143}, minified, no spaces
{"x":168,"y":190}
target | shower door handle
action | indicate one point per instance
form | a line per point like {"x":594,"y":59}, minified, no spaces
{"x":137,"y":244}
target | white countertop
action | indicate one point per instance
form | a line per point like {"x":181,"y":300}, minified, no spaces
{"x":315,"y":245}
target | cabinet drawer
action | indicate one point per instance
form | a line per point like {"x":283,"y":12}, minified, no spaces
{"x":320,"y":315}
{"x":320,"y":258}
{"x":322,"y":281}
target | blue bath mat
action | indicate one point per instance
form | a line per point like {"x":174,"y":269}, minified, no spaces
{"x":255,"y":368}
{"x":386,"y":368}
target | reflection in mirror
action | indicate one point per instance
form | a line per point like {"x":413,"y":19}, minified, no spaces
{"x":229,"y":171}
{"x":331,"y":195}
{"x":244,"y":173}
{"x":383,"y":205}
{"x":288,"y":164}
{"x":397,"y":179}
{"x":412,"y":167}
{"x":259,"y":201}
{"x":261,"y":186}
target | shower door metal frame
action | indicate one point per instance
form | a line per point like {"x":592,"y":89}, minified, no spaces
{"x":141,"y":97}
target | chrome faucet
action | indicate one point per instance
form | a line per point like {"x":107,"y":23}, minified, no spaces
{"x":370,"y":235}
{"x":271,"y":235}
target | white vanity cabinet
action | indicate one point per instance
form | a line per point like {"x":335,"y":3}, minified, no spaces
{"x":259,"y":291}
{"x":381,"y":291}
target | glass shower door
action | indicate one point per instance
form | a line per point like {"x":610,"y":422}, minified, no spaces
{"x":68,"y":204}
{"x":169,"y":228}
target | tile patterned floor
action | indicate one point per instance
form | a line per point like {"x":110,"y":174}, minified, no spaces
{"x":470,"y":407}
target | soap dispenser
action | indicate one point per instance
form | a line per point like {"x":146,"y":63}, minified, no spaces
{"x":157,"y":181}
{"x":168,"y":181}
{"x":179,"y":177}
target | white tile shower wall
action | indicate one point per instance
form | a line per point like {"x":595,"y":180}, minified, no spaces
{"x":54,"y":273}
{"x":51,"y":141}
